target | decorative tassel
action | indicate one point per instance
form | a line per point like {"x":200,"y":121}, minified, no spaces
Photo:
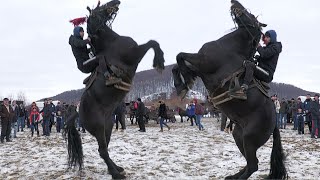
{"x":78,"y":21}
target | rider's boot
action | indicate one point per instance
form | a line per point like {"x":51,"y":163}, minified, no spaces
{"x":241,"y":93}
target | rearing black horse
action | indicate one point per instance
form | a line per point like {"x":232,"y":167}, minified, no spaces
{"x":255,"y":117}
{"x":99,"y":101}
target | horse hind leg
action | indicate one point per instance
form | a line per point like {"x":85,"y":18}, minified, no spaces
{"x":186,"y":63}
{"x":237,"y":135}
{"x":179,"y":84}
{"x":103,"y":151}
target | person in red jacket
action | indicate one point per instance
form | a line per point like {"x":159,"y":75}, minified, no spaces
{"x":34,"y":119}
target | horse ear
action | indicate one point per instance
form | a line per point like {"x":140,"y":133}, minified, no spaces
{"x":98,"y":4}
{"x":262,"y":24}
{"x":89,"y":9}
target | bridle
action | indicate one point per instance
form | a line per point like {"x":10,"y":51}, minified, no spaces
{"x":237,"y":12}
{"x":104,"y":20}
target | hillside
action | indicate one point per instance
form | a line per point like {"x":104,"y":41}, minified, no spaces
{"x":150,"y":82}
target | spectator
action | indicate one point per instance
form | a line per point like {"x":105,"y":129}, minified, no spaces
{"x":283,"y":113}
{"x":21,"y":117}
{"x":14,"y":122}
{"x":140,"y":114}
{"x":6,"y":113}
{"x":223,"y":122}
{"x":300,"y":119}
{"x":52,"y":110}
{"x":306,"y":105}
{"x":46,"y":118}
{"x":277,"y":108}
{"x":120,"y":115}
{"x":293,"y":112}
{"x":199,"y":112}
{"x":315,"y":114}
{"x":162,"y":114}
{"x":191,"y":112}
{"x":34,"y":120}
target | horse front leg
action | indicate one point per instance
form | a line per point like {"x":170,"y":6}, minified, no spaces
{"x":139,"y":52}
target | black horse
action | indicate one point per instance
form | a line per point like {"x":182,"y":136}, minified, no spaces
{"x":255,"y":117}
{"x":99,"y":101}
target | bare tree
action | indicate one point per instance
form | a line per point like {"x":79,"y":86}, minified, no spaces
{"x":21,"y":96}
{"x":10,"y":97}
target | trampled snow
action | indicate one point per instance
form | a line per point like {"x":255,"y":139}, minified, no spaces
{"x":184,"y":152}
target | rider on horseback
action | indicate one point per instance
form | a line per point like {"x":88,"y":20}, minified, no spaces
{"x":267,"y":62}
{"x":81,"y":53}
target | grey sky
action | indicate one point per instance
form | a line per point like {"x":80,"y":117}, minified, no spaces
{"x":36,"y":58}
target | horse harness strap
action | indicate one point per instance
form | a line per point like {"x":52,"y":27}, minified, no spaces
{"x":107,"y":69}
{"x":234,"y":84}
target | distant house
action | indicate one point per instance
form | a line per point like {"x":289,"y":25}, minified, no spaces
{"x":303,"y":98}
{"x":40,"y":104}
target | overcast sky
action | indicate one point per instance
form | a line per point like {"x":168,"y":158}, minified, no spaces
{"x":36,"y":58}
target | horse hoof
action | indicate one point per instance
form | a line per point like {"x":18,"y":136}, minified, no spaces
{"x":121,"y":170}
{"x":118,"y":176}
{"x":230,"y":177}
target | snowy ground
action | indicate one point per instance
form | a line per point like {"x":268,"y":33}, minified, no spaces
{"x":181,"y":153}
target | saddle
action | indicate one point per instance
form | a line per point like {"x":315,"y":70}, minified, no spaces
{"x":111,"y":76}
{"x":234,"y":84}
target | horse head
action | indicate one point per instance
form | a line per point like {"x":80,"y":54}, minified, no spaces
{"x":243,"y":18}
{"x":102,"y":16}
{"x":247,"y":21}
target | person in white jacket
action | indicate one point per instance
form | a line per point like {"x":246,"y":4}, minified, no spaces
{"x":277,"y":108}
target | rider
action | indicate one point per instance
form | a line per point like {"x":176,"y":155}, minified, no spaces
{"x":267,"y":61}
{"x":81,"y":53}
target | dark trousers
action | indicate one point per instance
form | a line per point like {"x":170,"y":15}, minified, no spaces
{"x":192,"y":117}
{"x":5,"y":129}
{"x":59,"y":124}
{"x":223,"y":122}
{"x":315,"y":125}
{"x":251,"y":71}
{"x":88,"y":68}
{"x":46,"y":124}
{"x":34,"y":126}
{"x":300,"y":124}
{"x":309,"y":121}
{"x":120,"y":119}
{"x":141,"y":123}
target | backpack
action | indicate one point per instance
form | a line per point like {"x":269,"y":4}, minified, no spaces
{"x":135,"y":105}
{"x":21,"y":112}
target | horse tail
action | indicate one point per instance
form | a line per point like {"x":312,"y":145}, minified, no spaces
{"x":74,"y":144}
{"x":278,"y":169}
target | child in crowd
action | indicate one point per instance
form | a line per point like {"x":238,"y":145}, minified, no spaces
{"x":34,"y":119}
{"x":300,"y":121}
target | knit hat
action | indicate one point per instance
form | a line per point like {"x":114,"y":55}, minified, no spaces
{"x":272,"y":34}
{"x":77,"y":30}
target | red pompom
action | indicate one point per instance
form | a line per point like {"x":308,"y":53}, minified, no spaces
{"x":78,"y":21}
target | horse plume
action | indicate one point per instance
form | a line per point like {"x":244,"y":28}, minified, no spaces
{"x":78,"y":21}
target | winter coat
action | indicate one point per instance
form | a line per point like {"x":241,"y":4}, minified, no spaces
{"x":46,"y":112}
{"x":269,"y":57}
{"x":315,"y":109}
{"x":306,"y":105}
{"x":162,"y":111}
{"x":191,"y":110}
{"x":199,"y":109}
{"x":141,"y":109}
{"x":277,"y":105}
{"x":5,"y":115}
{"x":284,"y":108}
{"x":79,"y":50}
{"x":34,"y":117}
